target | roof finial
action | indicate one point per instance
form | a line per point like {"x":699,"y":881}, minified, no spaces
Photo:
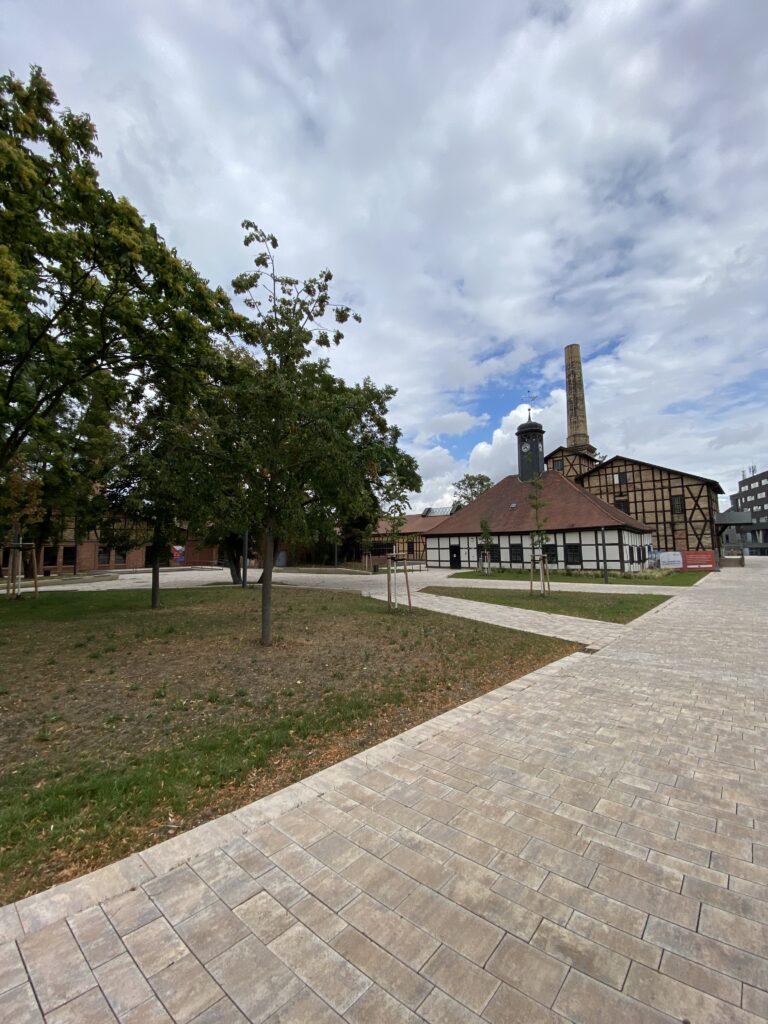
{"x":531,"y":400}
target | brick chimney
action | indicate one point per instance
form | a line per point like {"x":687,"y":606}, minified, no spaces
{"x":578,"y":434}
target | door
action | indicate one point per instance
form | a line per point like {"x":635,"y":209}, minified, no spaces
{"x":455,"y":556}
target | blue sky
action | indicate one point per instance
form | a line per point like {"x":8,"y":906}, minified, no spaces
{"x":488,"y":182}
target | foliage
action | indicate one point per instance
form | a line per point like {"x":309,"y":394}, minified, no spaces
{"x":539,"y":535}
{"x":94,"y":306}
{"x":306,"y":451}
{"x":471,"y":486}
{"x":486,"y":538}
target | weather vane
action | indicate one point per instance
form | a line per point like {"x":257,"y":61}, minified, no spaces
{"x":531,"y":400}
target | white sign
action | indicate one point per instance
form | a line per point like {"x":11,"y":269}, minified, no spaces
{"x":670,"y":560}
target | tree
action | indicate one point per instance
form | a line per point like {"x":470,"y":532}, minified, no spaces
{"x":471,"y":486}
{"x":539,"y":535}
{"x":306,"y":451}
{"x":486,"y":540}
{"x":161,"y":480}
{"x":90,"y":292}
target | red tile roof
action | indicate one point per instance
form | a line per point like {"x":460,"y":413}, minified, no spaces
{"x":506,"y":506}
{"x":416,"y":523}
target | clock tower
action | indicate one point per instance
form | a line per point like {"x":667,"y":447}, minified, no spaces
{"x":530,"y":449}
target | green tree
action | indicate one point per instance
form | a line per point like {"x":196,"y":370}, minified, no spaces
{"x":471,"y":486}
{"x":90,"y":292}
{"x":160,"y":483}
{"x":306,"y":451}
{"x":539,"y":535}
{"x":486,"y":538}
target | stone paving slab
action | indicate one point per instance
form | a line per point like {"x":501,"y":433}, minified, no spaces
{"x":588,"y":843}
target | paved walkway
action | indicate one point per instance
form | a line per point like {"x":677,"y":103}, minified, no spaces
{"x":361,"y":583}
{"x":586,"y":844}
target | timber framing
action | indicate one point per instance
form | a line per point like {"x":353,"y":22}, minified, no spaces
{"x":679,"y":508}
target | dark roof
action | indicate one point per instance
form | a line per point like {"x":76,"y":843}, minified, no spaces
{"x":417,"y":523}
{"x":507,"y":508}
{"x":576,"y":451}
{"x":653,"y":465}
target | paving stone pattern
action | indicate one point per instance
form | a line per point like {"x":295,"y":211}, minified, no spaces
{"x":586,"y":844}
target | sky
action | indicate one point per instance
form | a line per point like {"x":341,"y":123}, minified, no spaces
{"x":488,"y":182}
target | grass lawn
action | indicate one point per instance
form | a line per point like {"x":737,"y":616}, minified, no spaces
{"x":647,"y":578}
{"x":606,"y":607}
{"x":120,"y":726}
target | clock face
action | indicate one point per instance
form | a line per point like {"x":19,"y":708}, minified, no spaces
{"x":526,"y":447}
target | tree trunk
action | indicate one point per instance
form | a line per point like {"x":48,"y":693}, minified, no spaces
{"x":232,"y":551}
{"x":266,"y":589}
{"x":155,"y":579}
{"x":156,"y":547}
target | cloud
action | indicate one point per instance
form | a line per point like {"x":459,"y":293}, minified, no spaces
{"x":487,"y":184}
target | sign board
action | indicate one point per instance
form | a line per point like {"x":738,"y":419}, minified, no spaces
{"x":699,"y":560}
{"x":670,"y":560}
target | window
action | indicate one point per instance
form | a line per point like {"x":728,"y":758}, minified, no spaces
{"x":411,"y":547}
{"x":573,"y":554}
{"x":70,"y":552}
{"x":557,"y":465}
{"x":516,"y":553}
{"x":103,"y":556}
{"x":631,"y":555}
{"x":678,"y":504}
{"x":550,"y":550}
{"x":493,"y":552}
{"x":622,"y":505}
{"x":119,"y":559}
{"x":620,"y":478}
{"x":50,"y":555}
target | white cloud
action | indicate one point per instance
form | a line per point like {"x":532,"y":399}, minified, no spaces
{"x":488,"y":184}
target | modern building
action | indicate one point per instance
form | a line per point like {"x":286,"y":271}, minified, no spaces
{"x":578,"y":529}
{"x":751,"y":499}
{"x":680,"y":508}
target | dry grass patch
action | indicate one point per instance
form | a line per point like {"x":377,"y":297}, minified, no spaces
{"x":121,"y":726}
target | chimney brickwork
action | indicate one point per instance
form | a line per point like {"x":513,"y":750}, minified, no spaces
{"x":578,"y":434}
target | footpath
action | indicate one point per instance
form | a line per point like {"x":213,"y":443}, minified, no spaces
{"x":588,"y":843}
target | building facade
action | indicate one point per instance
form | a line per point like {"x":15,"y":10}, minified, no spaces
{"x":680,"y":508}
{"x":534,"y":512}
{"x":752,"y":498}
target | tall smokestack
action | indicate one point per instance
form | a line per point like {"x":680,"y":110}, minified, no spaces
{"x":578,"y":435}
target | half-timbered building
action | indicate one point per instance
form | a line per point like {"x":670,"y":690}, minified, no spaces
{"x":537,"y":512}
{"x":680,"y":508}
